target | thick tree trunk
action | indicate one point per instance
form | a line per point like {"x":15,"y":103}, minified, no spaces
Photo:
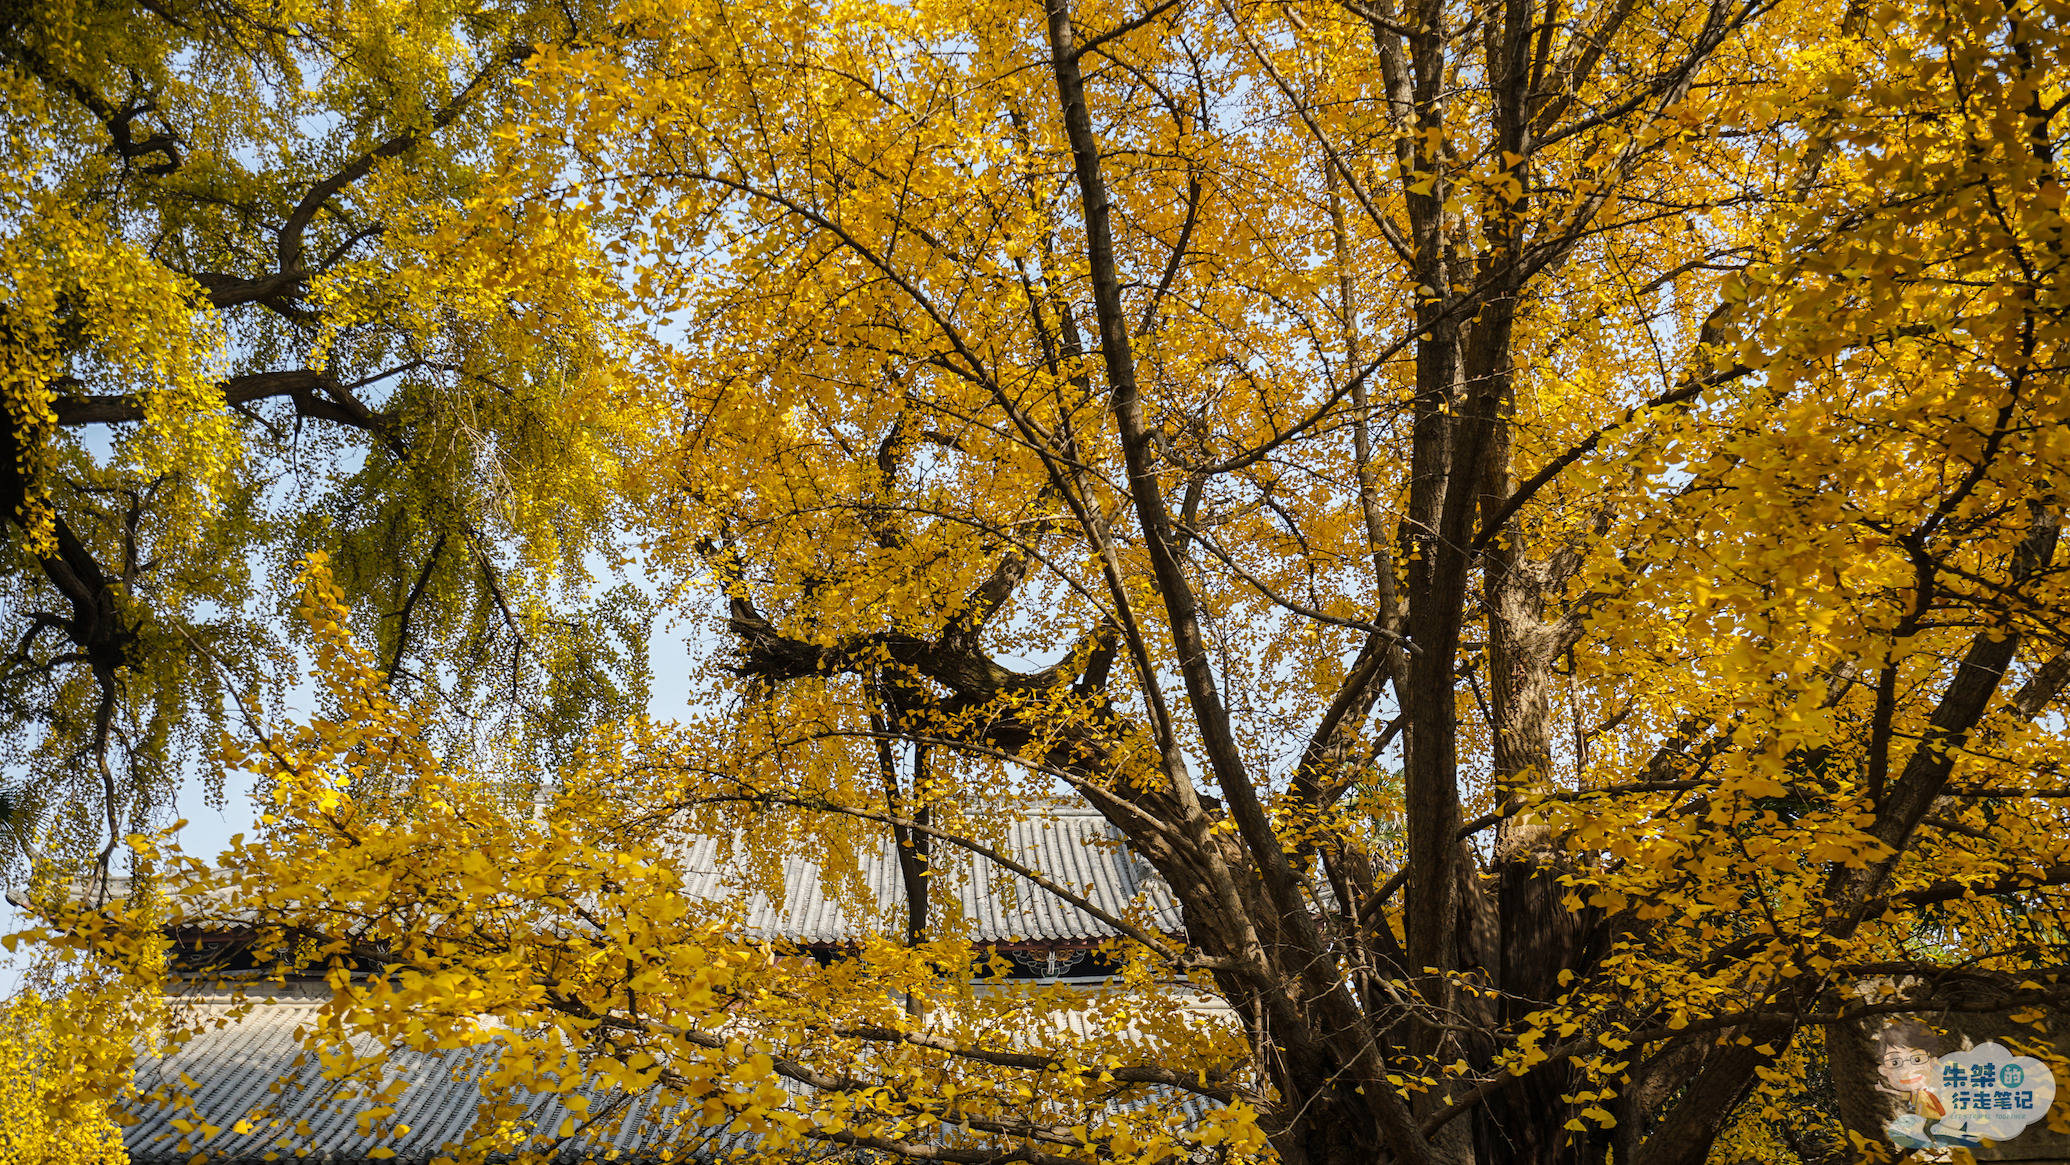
{"x":1339,"y":1008}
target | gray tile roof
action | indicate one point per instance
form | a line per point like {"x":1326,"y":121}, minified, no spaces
{"x":1078,"y":850}
{"x":252,"y":1067}
{"x":1074,"y":848}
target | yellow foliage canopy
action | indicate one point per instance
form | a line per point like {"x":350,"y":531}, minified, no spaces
{"x":59,"y":1071}
{"x":1542,"y":526}
{"x":257,"y":297}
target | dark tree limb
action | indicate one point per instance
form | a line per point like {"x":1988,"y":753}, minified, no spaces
{"x":316,"y":395}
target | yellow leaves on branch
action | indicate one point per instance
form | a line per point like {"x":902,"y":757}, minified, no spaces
{"x":557,"y":934}
{"x":135,"y":324}
{"x":61,"y":1060}
{"x":801,"y":295}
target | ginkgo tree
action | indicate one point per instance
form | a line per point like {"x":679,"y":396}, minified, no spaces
{"x":1540,"y":524}
{"x":247,"y":312}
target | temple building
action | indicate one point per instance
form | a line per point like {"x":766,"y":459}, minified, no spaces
{"x":250,"y":1055}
